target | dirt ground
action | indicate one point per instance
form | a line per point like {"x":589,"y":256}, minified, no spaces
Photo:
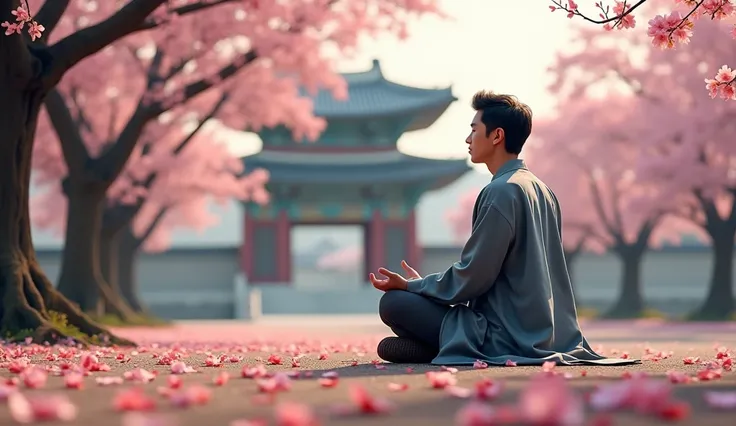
{"x":348,"y":344}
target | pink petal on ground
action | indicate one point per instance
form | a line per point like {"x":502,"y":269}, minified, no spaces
{"x":548,"y":399}
{"x":721,"y":400}
{"x":73,"y":380}
{"x":5,"y":391}
{"x":367,"y":403}
{"x":220,"y":379}
{"x":488,"y":389}
{"x":441,"y":379}
{"x":458,"y":392}
{"x":34,"y":377}
{"x":133,"y":400}
{"x":246,"y":422}
{"x":179,"y":367}
{"x":109,"y":380}
{"x":148,"y":419}
{"x":295,"y":414}
{"x":140,"y":375}
{"x":480,"y":365}
{"x":41,"y":408}
{"x":475,"y":414}
{"x":397,"y":387}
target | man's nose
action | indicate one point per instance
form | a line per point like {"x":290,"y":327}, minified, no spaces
{"x":467,"y":140}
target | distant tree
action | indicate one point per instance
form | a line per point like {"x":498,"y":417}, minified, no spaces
{"x":167,"y":184}
{"x":687,"y":148}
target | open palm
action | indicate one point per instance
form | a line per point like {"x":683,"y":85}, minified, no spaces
{"x":393,"y":280}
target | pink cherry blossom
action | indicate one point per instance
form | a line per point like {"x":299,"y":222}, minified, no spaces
{"x":667,"y":31}
{"x":38,"y":408}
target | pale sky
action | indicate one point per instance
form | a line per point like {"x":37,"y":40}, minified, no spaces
{"x":501,"y":45}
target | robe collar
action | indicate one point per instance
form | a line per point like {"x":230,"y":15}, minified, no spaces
{"x":510,"y":166}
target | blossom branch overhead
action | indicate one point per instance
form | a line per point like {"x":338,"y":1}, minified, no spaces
{"x":667,"y":31}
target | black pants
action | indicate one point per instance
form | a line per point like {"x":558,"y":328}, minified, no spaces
{"x":413,"y":316}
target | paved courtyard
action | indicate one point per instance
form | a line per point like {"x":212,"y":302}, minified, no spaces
{"x":336,"y":362}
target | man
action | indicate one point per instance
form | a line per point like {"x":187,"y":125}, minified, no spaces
{"x":509,"y":297}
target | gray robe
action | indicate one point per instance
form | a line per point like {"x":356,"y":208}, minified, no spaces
{"x":511,"y":290}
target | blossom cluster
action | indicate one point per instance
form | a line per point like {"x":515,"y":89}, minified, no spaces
{"x":667,"y":31}
{"x":23,"y":17}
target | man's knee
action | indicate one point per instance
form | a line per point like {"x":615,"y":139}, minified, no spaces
{"x":392,"y":304}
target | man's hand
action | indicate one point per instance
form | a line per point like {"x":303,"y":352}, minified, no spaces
{"x":411,"y":273}
{"x":393,"y":281}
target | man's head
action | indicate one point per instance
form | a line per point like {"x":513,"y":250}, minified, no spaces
{"x":499,"y":129}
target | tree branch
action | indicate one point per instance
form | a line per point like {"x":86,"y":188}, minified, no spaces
{"x":183,"y":11}
{"x":49,"y":16}
{"x":80,"y":120}
{"x":83,"y":43}
{"x":110,"y":164}
{"x":600,"y":208}
{"x":194,"y":89}
{"x":605,"y":18}
{"x":151,"y":227}
{"x":73,"y":148}
{"x":15,"y":57}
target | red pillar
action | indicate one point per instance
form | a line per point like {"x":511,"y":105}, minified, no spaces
{"x":283,"y":242}
{"x":376,"y":249}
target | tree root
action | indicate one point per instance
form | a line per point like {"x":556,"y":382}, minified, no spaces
{"x":29,"y":304}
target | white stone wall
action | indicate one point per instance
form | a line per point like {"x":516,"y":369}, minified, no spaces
{"x":198,"y":283}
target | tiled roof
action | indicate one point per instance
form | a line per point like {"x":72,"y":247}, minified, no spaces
{"x":397,"y":167}
{"x":370,"y":94}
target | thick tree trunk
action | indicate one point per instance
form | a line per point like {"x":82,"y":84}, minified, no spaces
{"x":108,"y":259}
{"x":81,"y":277}
{"x":28,"y":298}
{"x":80,"y":268}
{"x":128,"y":271}
{"x":719,"y":303}
{"x":630,"y":303}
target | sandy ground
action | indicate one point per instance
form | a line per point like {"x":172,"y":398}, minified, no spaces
{"x":350,"y":344}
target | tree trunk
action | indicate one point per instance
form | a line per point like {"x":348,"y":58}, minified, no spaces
{"x":81,"y":278}
{"x":28,"y":298}
{"x":630,"y":303}
{"x":108,"y":259}
{"x":719,"y":304}
{"x":128,"y":271}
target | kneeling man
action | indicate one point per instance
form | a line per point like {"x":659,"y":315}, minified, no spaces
{"x":509,"y":297}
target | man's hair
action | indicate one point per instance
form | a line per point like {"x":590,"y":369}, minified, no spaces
{"x":508,"y":113}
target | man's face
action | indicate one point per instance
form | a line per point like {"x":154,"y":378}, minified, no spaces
{"x":480,"y":146}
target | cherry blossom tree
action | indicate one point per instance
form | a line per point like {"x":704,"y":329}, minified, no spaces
{"x":167,"y":184}
{"x":693,"y":155}
{"x":288,"y":41}
{"x":672,"y":26}
{"x":588,"y":155}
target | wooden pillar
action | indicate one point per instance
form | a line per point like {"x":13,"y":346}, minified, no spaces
{"x":266,"y":249}
{"x":375,"y":239}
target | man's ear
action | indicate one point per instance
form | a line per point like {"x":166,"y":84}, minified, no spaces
{"x":499,"y":136}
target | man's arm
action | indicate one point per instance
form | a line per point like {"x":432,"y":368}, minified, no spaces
{"x":480,"y":262}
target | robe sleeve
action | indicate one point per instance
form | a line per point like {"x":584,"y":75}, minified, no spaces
{"x":480,"y":262}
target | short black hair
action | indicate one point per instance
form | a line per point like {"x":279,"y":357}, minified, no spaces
{"x":508,"y":113}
